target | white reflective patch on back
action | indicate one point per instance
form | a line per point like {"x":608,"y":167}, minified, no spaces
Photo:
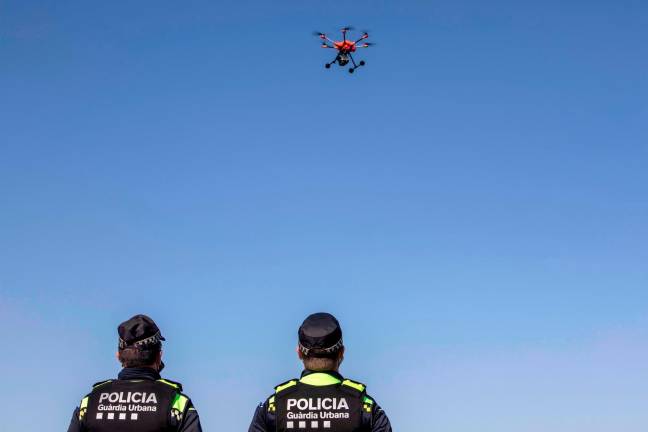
{"x":111,"y":416}
{"x":122,"y":416}
{"x":134,"y":416}
{"x":290,"y":425}
{"x":314,"y":424}
{"x":302,"y":425}
{"x":99,"y":416}
{"x":327,"y":424}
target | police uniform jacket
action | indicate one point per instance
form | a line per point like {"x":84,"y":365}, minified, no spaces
{"x":314,"y":403}
{"x":138,"y":400}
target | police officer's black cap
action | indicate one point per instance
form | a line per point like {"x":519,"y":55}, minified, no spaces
{"x":139,"y":332}
{"x":320,"y":335}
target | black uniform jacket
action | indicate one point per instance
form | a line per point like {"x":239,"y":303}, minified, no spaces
{"x":190,"y":422}
{"x":264,"y":420}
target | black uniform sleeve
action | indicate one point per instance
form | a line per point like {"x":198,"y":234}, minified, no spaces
{"x":75,"y":424}
{"x":190,"y":420}
{"x":379,"y":421}
{"x":260,"y":420}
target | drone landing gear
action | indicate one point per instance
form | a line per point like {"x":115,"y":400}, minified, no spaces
{"x":355,"y":66}
{"x":343,"y":62}
{"x":335,"y":60}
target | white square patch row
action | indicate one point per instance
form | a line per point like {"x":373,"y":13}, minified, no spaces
{"x":111,"y":416}
{"x":314,"y":424}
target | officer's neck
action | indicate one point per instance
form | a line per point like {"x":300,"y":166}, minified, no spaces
{"x":129,"y":373}
{"x":332,"y":372}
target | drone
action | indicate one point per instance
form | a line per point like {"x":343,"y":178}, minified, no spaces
{"x":345,"y":48}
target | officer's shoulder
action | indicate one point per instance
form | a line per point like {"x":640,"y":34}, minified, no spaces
{"x":286,"y":385}
{"x":101,"y":383}
{"x":356,"y":385}
{"x":174,"y":384}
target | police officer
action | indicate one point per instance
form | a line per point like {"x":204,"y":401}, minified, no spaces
{"x":321,"y":400}
{"x":139,"y":399}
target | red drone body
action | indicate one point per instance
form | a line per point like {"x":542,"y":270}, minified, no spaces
{"x":344,"y":48}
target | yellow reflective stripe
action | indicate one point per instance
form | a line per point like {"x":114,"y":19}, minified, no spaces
{"x":179,"y":402}
{"x":271,"y":404}
{"x":319,"y":379}
{"x":367,"y":404}
{"x":285,"y":386}
{"x":172,"y":384}
{"x":99,"y":384}
{"x":83,"y":407}
{"x":354,"y":385}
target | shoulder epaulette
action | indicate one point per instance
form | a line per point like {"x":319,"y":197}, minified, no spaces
{"x":100,"y":383}
{"x":281,"y":387}
{"x":354,"y":384}
{"x":173,"y":384}
{"x":285,"y":385}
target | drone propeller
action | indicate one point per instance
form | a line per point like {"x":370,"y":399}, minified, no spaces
{"x":347,"y":28}
{"x":318,"y":34}
{"x":367,"y":45}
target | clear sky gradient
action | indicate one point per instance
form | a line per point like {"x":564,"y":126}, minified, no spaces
{"x":472,"y":205}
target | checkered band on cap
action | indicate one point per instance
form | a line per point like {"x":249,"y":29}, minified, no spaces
{"x":314,"y":351}
{"x":151,"y":340}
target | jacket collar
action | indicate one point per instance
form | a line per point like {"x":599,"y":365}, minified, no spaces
{"x":139,"y":373}
{"x":335,"y":374}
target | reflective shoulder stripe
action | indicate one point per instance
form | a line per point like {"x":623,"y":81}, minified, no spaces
{"x":285,"y":386}
{"x":83,"y":407}
{"x":281,"y":387}
{"x":171,"y":383}
{"x":100,"y":383}
{"x":179,"y":402}
{"x":353,"y":384}
{"x":319,"y":379}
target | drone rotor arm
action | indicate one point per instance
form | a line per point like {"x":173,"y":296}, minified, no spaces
{"x":345,"y":30}
{"x":322,"y":36}
{"x":364,"y":36}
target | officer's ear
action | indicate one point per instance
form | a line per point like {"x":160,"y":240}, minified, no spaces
{"x":341,"y":356}
{"x":159,"y":362}
{"x":117,"y":356}
{"x":299,"y":353}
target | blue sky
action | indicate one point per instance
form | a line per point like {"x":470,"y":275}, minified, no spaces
{"x":471,"y":205}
